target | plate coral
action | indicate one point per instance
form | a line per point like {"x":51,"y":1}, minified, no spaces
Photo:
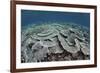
{"x":55,"y":42}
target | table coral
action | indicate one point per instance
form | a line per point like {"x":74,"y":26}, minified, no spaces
{"x":55,"y":42}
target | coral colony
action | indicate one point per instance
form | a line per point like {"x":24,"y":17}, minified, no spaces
{"x":55,"y":42}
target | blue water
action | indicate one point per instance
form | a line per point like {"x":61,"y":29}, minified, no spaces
{"x":29,"y":17}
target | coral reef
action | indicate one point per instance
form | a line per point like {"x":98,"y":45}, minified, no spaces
{"x":55,"y":42}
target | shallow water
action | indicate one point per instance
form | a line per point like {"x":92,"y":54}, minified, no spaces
{"x":30,"y":17}
{"x":54,"y":36}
